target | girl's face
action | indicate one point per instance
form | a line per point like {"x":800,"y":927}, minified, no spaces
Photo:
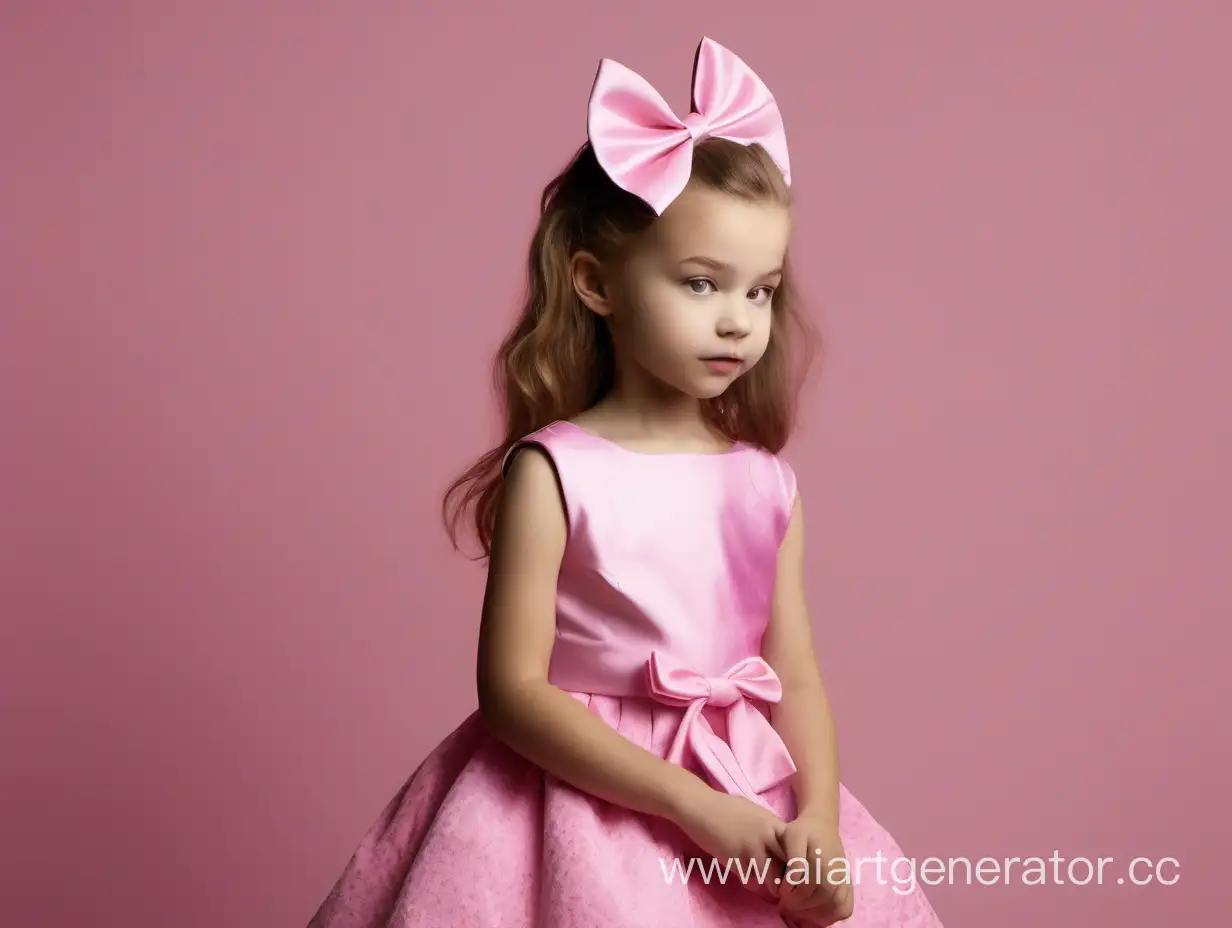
{"x":690,"y":308}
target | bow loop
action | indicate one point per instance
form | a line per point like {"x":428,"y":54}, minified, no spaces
{"x":756,"y":678}
{"x":737,"y":104}
{"x":673,"y":684}
{"x":647,"y":150}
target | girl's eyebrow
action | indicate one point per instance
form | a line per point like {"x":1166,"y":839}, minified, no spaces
{"x":721,"y":266}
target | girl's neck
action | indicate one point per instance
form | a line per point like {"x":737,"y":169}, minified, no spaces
{"x":676,"y":424}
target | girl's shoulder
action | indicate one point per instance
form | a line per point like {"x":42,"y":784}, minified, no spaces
{"x":556,"y":438}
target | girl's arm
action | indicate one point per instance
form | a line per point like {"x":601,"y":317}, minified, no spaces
{"x":803,"y":718}
{"x":537,"y":719}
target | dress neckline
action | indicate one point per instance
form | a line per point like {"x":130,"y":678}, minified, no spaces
{"x":735,"y":446}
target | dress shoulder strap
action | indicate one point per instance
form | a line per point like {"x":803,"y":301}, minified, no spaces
{"x":772,"y":483}
{"x":552,"y":438}
{"x":559,"y":443}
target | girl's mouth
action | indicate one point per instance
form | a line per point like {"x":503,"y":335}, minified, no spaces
{"x":724,"y":364}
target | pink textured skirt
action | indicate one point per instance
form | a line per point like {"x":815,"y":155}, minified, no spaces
{"x":479,"y":837}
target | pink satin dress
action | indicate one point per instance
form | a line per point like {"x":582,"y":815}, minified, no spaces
{"x":663,"y":596}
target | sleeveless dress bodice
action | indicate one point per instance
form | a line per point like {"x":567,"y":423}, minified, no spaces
{"x":671,"y":554}
{"x":665,"y":590}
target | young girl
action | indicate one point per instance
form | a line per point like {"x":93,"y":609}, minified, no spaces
{"x":653,"y":746}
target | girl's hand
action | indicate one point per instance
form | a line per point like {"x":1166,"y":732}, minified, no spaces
{"x":828,"y":890}
{"x":731,"y":828}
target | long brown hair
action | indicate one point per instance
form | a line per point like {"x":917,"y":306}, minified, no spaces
{"x":557,"y":361}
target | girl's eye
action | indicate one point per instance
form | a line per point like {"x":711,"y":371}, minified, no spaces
{"x":702,"y":282}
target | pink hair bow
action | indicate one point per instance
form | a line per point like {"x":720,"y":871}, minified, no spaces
{"x":646,"y":150}
{"x":754,"y":757}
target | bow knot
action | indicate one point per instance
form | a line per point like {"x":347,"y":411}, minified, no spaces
{"x":723,"y":692}
{"x":648,"y":151}
{"x":754,"y":758}
{"x":697,"y":124}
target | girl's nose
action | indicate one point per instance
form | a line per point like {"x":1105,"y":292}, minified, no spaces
{"x":734,"y":320}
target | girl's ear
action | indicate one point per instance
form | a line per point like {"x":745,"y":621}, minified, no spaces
{"x":587,"y":275}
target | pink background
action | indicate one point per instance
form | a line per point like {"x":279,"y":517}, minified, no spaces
{"x":255,"y":262}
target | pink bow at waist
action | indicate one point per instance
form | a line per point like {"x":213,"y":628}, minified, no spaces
{"x":754,"y":757}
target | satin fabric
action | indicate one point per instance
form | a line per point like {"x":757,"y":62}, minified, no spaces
{"x":647,"y":150}
{"x":663,"y":596}
{"x":649,"y":575}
